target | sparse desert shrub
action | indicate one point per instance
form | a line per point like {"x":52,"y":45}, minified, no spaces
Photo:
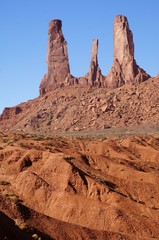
{"x":3,"y":182}
{"x":21,"y":224}
{"x":22,"y":144}
{"x":68,"y":157}
{"x":5,"y":140}
{"x":11,"y":195}
{"x":35,"y":236}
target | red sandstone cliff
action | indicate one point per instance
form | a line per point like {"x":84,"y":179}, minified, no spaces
{"x":123,"y":71}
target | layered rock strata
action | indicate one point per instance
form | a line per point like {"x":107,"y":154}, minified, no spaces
{"x":124,"y":69}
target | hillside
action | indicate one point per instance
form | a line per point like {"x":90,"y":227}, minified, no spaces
{"x":86,"y":108}
{"x":70,"y":188}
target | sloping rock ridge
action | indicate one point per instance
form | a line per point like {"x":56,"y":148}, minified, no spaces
{"x":124,"y":69}
{"x":65,"y":188}
{"x":86,"y":108}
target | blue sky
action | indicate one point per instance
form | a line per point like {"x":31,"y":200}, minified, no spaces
{"x":23,"y":39}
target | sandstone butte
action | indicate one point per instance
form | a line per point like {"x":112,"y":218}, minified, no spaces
{"x":80,"y":162}
{"x":123,"y":71}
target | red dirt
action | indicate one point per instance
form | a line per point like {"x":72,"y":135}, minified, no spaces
{"x":71,"y":188}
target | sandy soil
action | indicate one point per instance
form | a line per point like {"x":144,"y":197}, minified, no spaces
{"x":79,"y":188}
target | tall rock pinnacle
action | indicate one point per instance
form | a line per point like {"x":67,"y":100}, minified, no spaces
{"x":94,"y":74}
{"x":124,"y":69}
{"x":57,"y":59}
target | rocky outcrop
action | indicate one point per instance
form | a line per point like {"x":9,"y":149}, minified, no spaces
{"x":10,"y":112}
{"x":124,"y":69}
{"x":57,"y":59}
{"x":86,"y":108}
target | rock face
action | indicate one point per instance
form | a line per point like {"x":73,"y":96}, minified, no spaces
{"x":124,"y":69}
{"x":10,"y":112}
{"x":57,"y":59}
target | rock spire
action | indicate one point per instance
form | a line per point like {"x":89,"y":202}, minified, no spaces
{"x":124,"y":69}
{"x":57,"y":59}
{"x":94,"y":74}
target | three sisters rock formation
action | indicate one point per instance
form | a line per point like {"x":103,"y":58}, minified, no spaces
{"x":124,"y":69}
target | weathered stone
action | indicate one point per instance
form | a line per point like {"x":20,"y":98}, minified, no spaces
{"x":94,"y":75}
{"x":124,"y":69}
{"x":94,"y":63}
{"x":57,"y":59}
{"x":10,"y":112}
